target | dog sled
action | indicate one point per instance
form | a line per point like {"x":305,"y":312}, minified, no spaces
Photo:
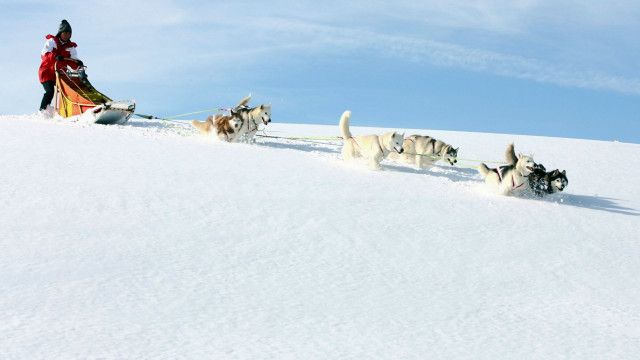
{"x":76,"y":97}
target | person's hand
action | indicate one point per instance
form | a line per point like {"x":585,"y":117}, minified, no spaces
{"x":59,"y":58}
{"x":79,"y":62}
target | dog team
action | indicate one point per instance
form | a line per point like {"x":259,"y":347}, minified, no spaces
{"x":520,"y":175}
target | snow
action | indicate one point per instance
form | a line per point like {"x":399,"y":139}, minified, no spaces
{"x":149,"y":241}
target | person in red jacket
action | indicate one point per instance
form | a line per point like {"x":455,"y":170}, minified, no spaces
{"x":58,"y":49}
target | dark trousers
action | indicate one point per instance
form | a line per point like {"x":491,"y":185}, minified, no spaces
{"x":48,"y":94}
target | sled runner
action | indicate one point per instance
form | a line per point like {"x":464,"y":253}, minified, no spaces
{"x":75,"y":96}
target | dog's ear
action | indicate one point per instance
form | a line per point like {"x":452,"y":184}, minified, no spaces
{"x":261,"y":106}
{"x":564,"y":172}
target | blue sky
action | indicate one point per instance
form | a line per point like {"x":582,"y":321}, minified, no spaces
{"x":557,"y":68}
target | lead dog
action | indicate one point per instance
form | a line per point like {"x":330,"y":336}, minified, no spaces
{"x":543,"y":183}
{"x":424,"y":151}
{"x":540,"y":181}
{"x":509,"y":179}
{"x":373,"y":148}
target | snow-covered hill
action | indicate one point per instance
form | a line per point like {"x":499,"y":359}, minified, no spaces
{"x":147,"y":241}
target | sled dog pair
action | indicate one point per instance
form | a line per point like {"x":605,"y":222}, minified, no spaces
{"x":424,"y":151}
{"x":522,"y":174}
{"x":241,"y":124}
{"x":372,"y":148}
{"x":540,"y":181}
{"x":226,"y":127}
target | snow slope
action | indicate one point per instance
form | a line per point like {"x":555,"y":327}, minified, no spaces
{"x":147,"y":241}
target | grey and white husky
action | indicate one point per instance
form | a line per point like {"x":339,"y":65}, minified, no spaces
{"x":510,"y":179}
{"x":251,"y":118}
{"x":424,"y":151}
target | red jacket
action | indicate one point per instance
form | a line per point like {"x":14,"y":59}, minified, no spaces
{"x":52,"y":48}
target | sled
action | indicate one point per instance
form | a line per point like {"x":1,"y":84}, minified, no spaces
{"x":76,"y":97}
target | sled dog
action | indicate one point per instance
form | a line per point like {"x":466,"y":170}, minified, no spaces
{"x":251,"y":118}
{"x":373,"y":148}
{"x":226,"y":127}
{"x":540,"y":181}
{"x":509,"y":179}
{"x":424,"y":151}
{"x":543,"y":183}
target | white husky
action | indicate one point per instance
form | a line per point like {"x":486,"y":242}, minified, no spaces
{"x":372,"y":148}
{"x":509,"y":179}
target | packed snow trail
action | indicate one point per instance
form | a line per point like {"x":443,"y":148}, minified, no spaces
{"x":147,"y":241}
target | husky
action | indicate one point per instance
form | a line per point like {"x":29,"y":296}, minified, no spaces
{"x":510,"y":179}
{"x":251,"y":118}
{"x":226,"y":127}
{"x":373,"y":148}
{"x":543,"y":183}
{"x":558,"y":180}
{"x":540,"y":181}
{"x":424,"y":151}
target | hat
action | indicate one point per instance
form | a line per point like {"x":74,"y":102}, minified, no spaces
{"x":64,"y":27}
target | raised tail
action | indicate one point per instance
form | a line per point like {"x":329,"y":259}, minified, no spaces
{"x":244,"y":102}
{"x":484,"y":170}
{"x":510,"y":155}
{"x":344,"y":125}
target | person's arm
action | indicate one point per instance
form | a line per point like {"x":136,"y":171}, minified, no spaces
{"x":74,"y":53}
{"x":71,"y":61}
{"x":74,"y":56}
{"x":49,"y":45}
{"x":47,"y":54}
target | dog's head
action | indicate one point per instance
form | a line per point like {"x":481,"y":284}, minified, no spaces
{"x":525,"y":164}
{"x":265,"y":113}
{"x":235,"y":123}
{"x":395,"y":142}
{"x":451,"y":155}
{"x":558,"y":180}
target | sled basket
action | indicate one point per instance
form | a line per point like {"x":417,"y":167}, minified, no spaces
{"x":75,"y":95}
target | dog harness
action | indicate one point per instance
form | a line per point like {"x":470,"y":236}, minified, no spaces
{"x":499,"y":170}
{"x":380,"y":146}
{"x":359,"y":147}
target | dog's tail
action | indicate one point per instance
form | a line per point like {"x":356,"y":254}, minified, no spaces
{"x":484,"y":170}
{"x":244,"y":101}
{"x":510,"y":155}
{"x":344,"y":125}
{"x":203,"y":126}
